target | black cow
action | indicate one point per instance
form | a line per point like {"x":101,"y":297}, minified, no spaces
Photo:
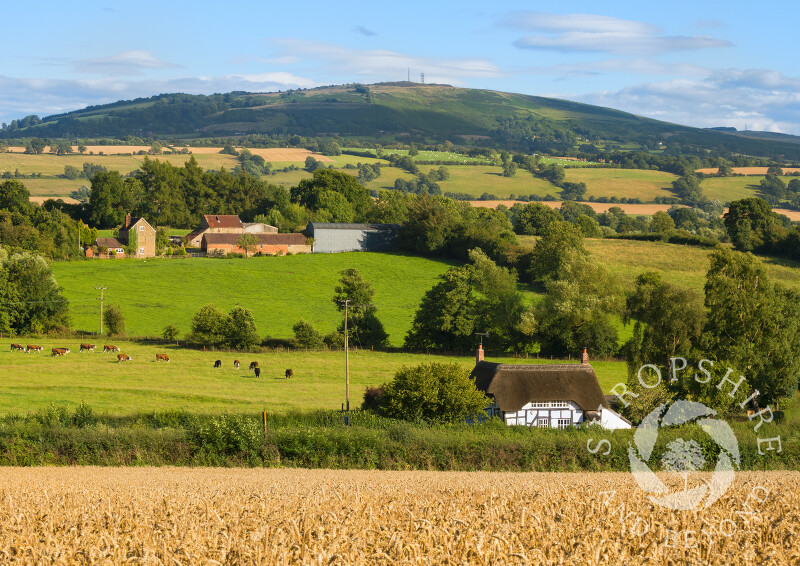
{"x":218,"y":364}
{"x":258,"y":372}
{"x":289,"y":373}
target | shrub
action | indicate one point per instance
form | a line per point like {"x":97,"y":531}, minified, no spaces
{"x":306,"y":335}
{"x":114,"y":321}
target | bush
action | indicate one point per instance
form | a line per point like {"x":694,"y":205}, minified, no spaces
{"x":435,"y":393}
{"x":114,"y":321}
{"x":307,"y":336}
{"x":170,"y":333}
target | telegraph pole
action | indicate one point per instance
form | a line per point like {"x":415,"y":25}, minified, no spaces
{"x":101,"y":289}
{"x":346,"y":357}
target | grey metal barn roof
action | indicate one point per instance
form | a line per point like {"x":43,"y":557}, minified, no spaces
{"x":515,"y":385}
{"x":350,"y":226}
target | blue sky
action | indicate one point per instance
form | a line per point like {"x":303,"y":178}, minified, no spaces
{"x":700,"y":63}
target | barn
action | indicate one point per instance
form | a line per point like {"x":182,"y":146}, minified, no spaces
{"x":545,"y":395}
{"x":341,"y":237}
{"x":266,"y":244}
{"x":214,"y":224}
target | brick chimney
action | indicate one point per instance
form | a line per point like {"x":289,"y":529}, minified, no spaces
{"x":585,"y":357}
{"x":479,"y":354}
{"x":127,"y":222}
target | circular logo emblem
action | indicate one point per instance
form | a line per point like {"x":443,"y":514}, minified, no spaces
{"x":684,"y":457}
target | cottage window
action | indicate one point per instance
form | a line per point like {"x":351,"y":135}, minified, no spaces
{"x":544,"y":422}
{"x":141,"y":228}
{"x":564,"y":423}
{"x":141,"y":250}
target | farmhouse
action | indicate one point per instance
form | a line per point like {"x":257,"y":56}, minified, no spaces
{"x":266,"y":244}
{"x":545,"y":395}
{"x":136,"y":233}
{"x":336,"y":238}
{"x":214,"y":224}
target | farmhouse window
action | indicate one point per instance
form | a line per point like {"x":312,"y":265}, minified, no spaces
{"x":544,"y":422}
{"x":141,"y":250}
{"x":564,"y":423}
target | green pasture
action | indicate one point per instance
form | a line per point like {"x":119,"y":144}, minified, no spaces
{"x":727,"y":189}
{"x":437,"y":156}
{"x":478,"y":179}
{"x":56,"y":188}
{"x":288,"y":179}
{"x":29,"y":382}
{"x":631,"y":183}
{"x":278,"y":290}
{"x":567,"y":162}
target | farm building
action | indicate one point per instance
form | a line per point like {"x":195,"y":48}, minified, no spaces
{"x":214,"y":224}
{"x":545,"y":395}
{"x":266,"y":244}
{"x":336,"y":238}
{"x":135,"y":232}
{"x":259,"y":228}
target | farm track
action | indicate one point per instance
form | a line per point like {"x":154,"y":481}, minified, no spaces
{"x":279,"y":516}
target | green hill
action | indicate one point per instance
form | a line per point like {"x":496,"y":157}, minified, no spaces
{"x":391,"y":112}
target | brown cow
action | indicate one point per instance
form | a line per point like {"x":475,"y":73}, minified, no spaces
{"x":33,"y":348}
{"x":236,"y":364}
{"x":110,"y":348}
{"x":253,"y":365}
{"x":289,"y":373}
{"x":123,"y":358}
{"x":60,"y":351}
{"x":162,"y":358}
{"x":87,"y":347}
{"x":19,"y":347}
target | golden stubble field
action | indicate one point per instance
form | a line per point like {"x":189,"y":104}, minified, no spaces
{"x":281,"y":516}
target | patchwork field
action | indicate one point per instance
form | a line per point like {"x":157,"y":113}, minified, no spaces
{"x":632,"y":209}
{"x":631,"y":183}
{"x":281,"y":516}
{"x":727,"y":189}
{"x":189,"y":381}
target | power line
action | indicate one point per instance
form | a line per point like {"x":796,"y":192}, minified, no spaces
{"x":101,"y":289}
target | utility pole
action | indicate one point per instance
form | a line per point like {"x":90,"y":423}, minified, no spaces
{"x":346,"y":358}
{"x":101,"y":289}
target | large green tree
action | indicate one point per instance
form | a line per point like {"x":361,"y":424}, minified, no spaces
{"x":753,"y":324}
{"x":30,"y":299}
{"x":560,"y":242}
{"x":752,"y":226}
{"x":356,"y":295}
{"x":14,"y":196}
{"x":309,"y":192}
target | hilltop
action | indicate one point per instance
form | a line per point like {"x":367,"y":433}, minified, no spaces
{"x":388,"y":112}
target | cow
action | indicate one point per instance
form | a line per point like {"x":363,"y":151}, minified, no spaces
{"x":110,"y":348}
{"x":123,"y":358}
{"x":258,"y":372}
{"x":19,"y":347}
{"x":162,"y":358}
{"x":289,"y":373}
{"x":33,"y":348}
{"x":218,"y":364}
{"x":253,"y":365}
{"x":236,"y":364}
{"x":60,"y":351}
{"x":87,"y":347}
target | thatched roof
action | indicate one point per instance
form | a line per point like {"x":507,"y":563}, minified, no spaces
{"x":515,"y":385}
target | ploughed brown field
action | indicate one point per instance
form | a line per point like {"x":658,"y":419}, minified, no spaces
{"x":269,"y":154}
{"x":632,"y":209}
{"x":258,"y":516}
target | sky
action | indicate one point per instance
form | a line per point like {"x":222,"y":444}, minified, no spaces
{"x":698,"y":63}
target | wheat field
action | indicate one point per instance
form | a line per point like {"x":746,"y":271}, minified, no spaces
{"x":282,"y":516}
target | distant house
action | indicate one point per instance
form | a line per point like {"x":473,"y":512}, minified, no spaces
{"x":267,"y":244}
{"x":259,"y":228}
{"x":545,"y":395}
{"x":136,"y":230}
{"x":145,"y":237}
{"x":340,"y":237}
{"x":214,"y":224}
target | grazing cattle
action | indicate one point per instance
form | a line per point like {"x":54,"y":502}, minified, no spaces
{"x":110,"y":348}
{"x":60,"y":351}
{"x":123,"y":358}
{"x":289,"y":373}
{"x":33,"y":348}
{"x":236,"y":364}
{"x":19,"y":347}
{"x":258,"y":372}
{"x":218,"y":364}
{"x":162,"y":358}
{"x":253,"y":365}
{"x":87,"y":347}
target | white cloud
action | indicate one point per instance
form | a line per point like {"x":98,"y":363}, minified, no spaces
{"x":125,"y":63}
{"x":758,"y":99}
{"x":381,"y":65}
{"x":569,"y":33}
